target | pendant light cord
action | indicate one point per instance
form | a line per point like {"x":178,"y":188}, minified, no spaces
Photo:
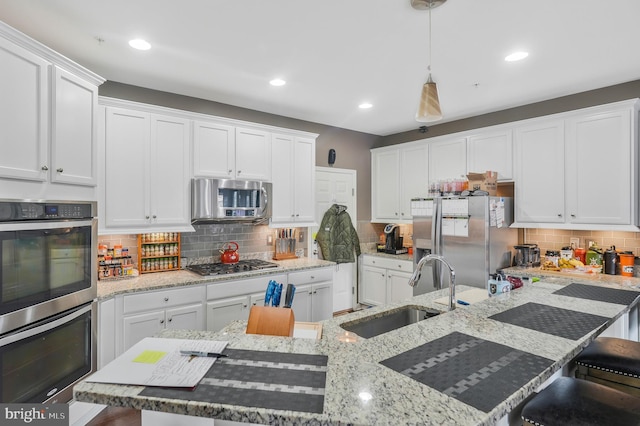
{"x":430,"y":7}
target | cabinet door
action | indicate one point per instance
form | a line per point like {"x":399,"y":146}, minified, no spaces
{"x":302,"y":308}
{"x":398,"y":286}
{"x":74,"y":130}
{"x":169,"y":172}
{"x":283,"y":184}
{"x":221,"y":312}
{"x":106,"y":331}
{"x":126,"y":168}
{"x":385,"y":185}
{"x":414,"y":176}
{"x":373,"y":286}
{"x":253,"y":154}
{"x":539,"y":161}
{"x":137,"y":327}
{"x":322,"y":302}
{"x":491,"y":151}
{"x":24,"y":111}
{"x":214,"y":152}
{"x":447,"y":159}
{"x":599,"y":160}
{"x":186,"y":317}
{"x":304,"y":180}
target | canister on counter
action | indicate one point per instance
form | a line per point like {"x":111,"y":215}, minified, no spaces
{"x":626,"y":263}
{"x":580,"y":254}
{"x":566,"y":253}
{"x":594,"y":256}
{"x":552,"y":256}
{"x":610,"y":260}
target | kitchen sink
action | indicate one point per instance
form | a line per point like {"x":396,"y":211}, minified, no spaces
{"x":374,"y":325}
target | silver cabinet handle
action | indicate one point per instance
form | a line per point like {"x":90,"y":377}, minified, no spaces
{"x":146,"y":217}
{"x":60,"y":170}
{"x":161,"y":321}
{"x":166,"y":299}
{"x":559,"y":215}
{"x":45,"y":168}
{"x":573,"y":215}
{"x":154,"y":216}
{"x":244,"y":306}
{"x":170,"y":319}
{"x":230,"y":170}
{"x":313,"y":277}
{"x":239,"y":171}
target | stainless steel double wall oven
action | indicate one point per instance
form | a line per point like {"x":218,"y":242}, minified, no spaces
{"x":48,"y":315}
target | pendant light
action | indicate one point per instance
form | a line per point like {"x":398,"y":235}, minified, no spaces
{"x":429,"y":106}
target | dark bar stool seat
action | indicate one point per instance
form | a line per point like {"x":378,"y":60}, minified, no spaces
{"x":569,"y":401}
{"x":612,"y":362}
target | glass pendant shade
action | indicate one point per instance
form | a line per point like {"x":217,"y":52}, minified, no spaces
{"x":429,"y":107}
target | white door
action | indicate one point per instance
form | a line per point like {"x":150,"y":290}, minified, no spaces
{"x":338,"y":186}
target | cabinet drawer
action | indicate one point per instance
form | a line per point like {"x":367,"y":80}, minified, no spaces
{"x":162,"y":299}
{"x":387,"y":263}
{"x":233,"y":288}
{"x":310,"y":276}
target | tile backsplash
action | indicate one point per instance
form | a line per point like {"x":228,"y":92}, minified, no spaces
{"x":555,"y":239}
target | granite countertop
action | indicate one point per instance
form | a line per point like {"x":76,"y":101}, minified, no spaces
{"x":363,"y":385}
{"x":183,"y":277}
{"x":371,"y":251}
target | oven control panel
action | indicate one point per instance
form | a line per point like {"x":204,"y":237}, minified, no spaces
{"x":16,"y":210}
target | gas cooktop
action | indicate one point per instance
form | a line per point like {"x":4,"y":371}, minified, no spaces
{"x":231,"y":268}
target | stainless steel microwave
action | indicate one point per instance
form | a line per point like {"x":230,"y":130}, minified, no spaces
{"x":226,"y":200}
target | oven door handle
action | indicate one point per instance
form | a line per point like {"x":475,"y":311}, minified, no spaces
{"x":45,"y":325}
{"x":49,"y":224}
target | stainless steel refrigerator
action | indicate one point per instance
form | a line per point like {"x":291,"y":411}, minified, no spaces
{"x":472,"y":233}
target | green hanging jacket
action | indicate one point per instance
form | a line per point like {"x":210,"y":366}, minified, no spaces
{"x":337,"y":237}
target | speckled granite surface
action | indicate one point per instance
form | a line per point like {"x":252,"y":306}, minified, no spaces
{"x":354,"y":369}
{"x":160,"y":280}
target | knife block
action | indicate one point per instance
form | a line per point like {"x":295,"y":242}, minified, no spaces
{"x":271,"y":321}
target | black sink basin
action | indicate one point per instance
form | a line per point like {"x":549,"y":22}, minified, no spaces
{"x":388,"y":321}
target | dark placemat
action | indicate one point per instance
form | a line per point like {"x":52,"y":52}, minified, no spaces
{"x":475,"y":371}
{"x":275,"y":380}
{"x":603,"y":294}
{"x":551,"y":320}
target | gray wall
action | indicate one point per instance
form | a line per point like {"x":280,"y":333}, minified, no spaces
{"x":604,"y":95}
{"x":352,"y":148}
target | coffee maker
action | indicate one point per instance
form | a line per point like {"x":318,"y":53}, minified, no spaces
{"x":393,"y":242}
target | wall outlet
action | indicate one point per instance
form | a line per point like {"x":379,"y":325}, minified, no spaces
{"x":301,"y":237}
{"x":574,"y":242}
{"x":269,"y":239}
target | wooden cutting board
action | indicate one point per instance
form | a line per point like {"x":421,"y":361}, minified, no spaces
{"x":469,"y":296}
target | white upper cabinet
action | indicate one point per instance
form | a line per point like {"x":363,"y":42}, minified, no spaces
{"x":491,"y":150}
{"x":398,"y":175}
{"x":74,"y":130}
{"x":539,"y":164}
{"x":600,"y":160}
{"x":24,"y":136}
{"x":253,"y":154}
{"x":579,"y":170}
{"x":293,"y":178}
{"x":448,"y":159}
{"x":48,"y":112}
{"x":214,"y":150}
{"x":227,"y":152}
{"x":146,"y":164}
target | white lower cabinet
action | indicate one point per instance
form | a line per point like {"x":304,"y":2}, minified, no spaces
{"x":146,"y":313}
{"x":313,"y":300}
{"x":384,"y":280}
{"x":106,"y":332}
{"x":229,"y":301}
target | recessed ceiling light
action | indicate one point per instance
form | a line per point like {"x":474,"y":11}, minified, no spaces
{"x":516,"y":56}
{"x":277,"y":82}
{"x":139,"y":44}
{"x":365,"y":105}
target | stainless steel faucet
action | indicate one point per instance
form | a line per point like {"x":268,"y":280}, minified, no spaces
{"x":452,"y":276}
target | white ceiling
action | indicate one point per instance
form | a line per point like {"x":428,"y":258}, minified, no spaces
{"x":335,"y":54}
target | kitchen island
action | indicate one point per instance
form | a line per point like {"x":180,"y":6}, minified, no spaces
{"x":366,"y":382}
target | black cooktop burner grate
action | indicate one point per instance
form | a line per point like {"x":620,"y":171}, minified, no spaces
{"x":231,"y":268}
